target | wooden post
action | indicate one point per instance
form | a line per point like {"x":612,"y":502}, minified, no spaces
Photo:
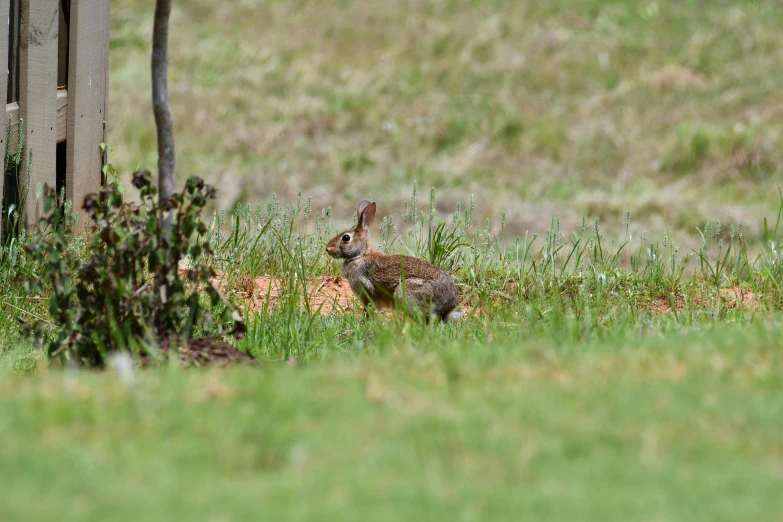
{"x":88,"y":65}
{"x":106,"y":41}
{"x":5,"y":6}
{"x":38,"y":96}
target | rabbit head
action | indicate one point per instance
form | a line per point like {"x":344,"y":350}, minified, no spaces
{"x":354,"y":242}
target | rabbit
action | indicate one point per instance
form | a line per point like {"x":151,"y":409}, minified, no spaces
{"x":376,"y":278}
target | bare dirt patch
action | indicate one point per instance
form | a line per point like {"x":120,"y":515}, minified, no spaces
{"x":731,"y":297}
{"x":327,"y":294}
{"x":735,"y":297}
{"x":663,"y":304}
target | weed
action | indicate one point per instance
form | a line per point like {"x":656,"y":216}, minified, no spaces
{"x":125,"y":290}
{"x":12,"y":201}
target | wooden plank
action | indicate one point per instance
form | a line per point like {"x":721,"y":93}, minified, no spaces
{"x":62,"y":115}
{"x":5,"y":7}
{"x":12,"y":111}
{"x":87,"y":74}
{"x":106,"y":43}
{"x":38,"y":96}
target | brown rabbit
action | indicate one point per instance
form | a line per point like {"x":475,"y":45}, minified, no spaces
{"x":377,"y":278}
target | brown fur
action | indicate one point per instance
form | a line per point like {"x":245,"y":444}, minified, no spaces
{"x":376,"y":278}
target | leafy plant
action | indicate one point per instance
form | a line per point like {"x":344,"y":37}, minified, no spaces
{"x":130,"y":290}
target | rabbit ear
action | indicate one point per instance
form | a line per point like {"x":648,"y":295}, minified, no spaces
{"x":364,"y":204}
{"x":366,"y":214}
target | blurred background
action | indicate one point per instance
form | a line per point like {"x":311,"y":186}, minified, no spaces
{"x":667,"y":109}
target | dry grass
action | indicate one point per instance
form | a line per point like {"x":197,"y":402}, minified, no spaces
{"x":583,"y":107}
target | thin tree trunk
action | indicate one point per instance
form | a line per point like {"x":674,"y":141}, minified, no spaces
{"x":160,"y":101}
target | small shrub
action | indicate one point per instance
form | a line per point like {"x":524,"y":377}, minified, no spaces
{"x":130,"y":292}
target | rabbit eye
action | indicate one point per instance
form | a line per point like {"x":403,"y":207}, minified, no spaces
{"x":346,"y":238}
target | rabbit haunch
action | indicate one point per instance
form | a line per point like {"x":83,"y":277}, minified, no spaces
{"x":378,"y":279}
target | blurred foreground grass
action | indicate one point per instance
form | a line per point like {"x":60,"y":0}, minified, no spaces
{"x":679,"y":426}
{"x":666,"y":109}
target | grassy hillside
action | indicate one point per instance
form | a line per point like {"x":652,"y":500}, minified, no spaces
{"x":666,"y":109}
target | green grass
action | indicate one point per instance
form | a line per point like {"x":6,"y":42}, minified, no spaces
{"x":572,"y":390}
{"x":680,"y":426}
{"x":564,"y":394}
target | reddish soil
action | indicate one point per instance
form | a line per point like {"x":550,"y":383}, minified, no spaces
{"x":327,"y":294}
{"x":732,"y":297}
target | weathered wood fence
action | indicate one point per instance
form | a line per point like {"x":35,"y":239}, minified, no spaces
{"x":57,"y":82}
